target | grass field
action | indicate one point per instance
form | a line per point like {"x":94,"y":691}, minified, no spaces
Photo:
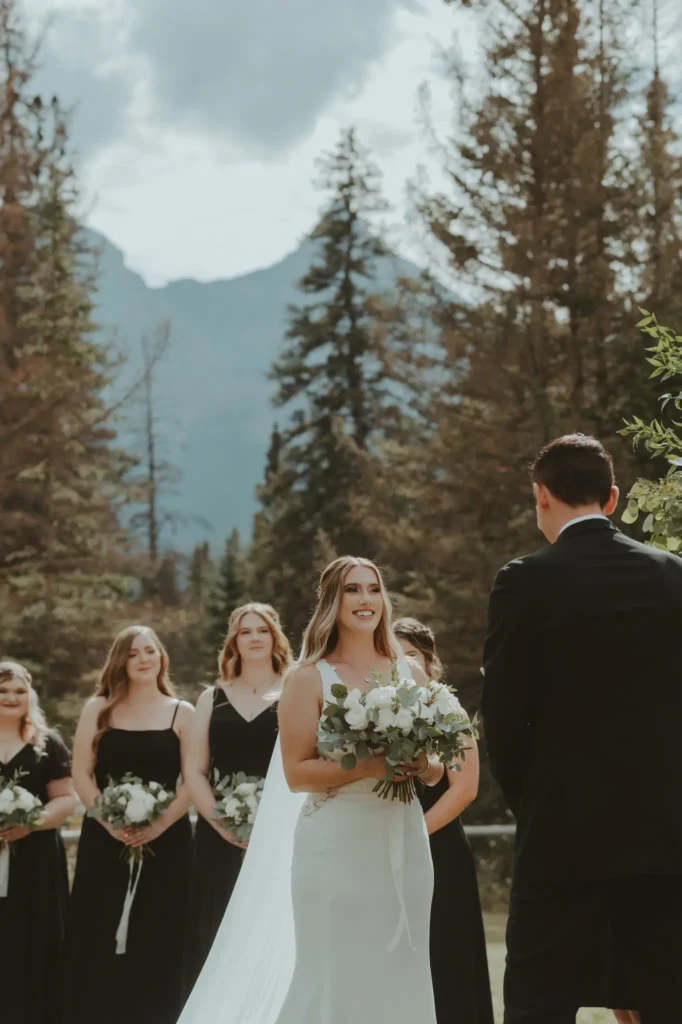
{"x":494,"y":926}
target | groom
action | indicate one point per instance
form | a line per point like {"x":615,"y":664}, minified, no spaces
{"x":582,"y":707}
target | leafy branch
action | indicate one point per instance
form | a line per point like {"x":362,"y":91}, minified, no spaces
{"x":660,"y":501}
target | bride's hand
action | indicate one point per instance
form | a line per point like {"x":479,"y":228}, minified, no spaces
{"x":417,"y":767}
{"x":374,"y":767}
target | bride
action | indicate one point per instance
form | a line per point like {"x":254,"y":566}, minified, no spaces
{"x":329,"y":923}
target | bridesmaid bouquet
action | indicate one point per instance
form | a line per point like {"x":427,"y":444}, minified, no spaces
{"x":400,"y":720}
{"x":131,"y":803}
{"x":18,"y":808}
{"x":237,"y":799}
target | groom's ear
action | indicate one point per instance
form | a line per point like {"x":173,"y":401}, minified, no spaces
{"x":541,"y":497}
{"x":610,"y":505}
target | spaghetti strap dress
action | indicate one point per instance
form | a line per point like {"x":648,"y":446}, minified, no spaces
{"x":145,"y":983}
{"x":236,"y":745}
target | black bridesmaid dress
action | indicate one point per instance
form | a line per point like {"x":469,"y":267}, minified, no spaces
{"x":33,"y":914}
{"x":235,"y":745}
{"x":459,"y":962}
{"x":144,"y":984}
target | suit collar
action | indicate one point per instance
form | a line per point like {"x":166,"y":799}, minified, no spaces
{"x":586,"y":526}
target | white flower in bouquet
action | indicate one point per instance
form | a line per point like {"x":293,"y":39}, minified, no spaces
{"x":231,"y":808}
{"x":237,"y":799}
{"x":140,"y":808}
{"x":401,"y":721}
{"x":404,"y":720}
{"x":6,"y":800}
{"x":356,"y":713}
{"x":384,"y":719}
{"x":131,"y":803}
{"x":380,"y":697}
{"x":26,"y":801}
{"x":19,"y":808}
{"x":246,"y":789}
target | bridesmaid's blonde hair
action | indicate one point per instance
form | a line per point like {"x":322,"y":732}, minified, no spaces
{"x":322,"y":633}
{"x":33,"y":727}
{"x":229,"y":659}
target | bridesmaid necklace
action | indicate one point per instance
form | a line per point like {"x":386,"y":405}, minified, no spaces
{"x":255,"y":690}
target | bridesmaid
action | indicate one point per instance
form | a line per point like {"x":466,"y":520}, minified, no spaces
{"x":33,"y":913}
{"x":459,"y":963}
{"x":234,"y":729}
{"x":132,"y":724}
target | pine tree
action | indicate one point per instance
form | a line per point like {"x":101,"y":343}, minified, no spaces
{"x":201,"y":577}
{"x":61,"y":544}
{"x":335,"y":375}
{"x":231,"y":590}
{"x":537,"y":224}
{"x":658,"y":180}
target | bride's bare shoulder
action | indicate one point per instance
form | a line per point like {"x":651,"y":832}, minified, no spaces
{"x":302,"y":677}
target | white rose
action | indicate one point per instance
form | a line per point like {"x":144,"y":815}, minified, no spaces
{"x":139,"y":808}
{"x":154,"y":786}
{"x":385,"y":720}
{"x":231,"y":807}
{"x":448,"y":704}
{"x":6,"y":800}
{"x":357,"y":717}
{"x":252,"y":803}
{"x":380,"y":697}
{"x":427,"y":712}
{"x":353,"y":699}
{"x":245,"y":789}
{"x":404,"y":720}
{"x":122,"y":801}
{"x":25,"y":800}
{"x":251,"y":818}
{"x":162,"y":795}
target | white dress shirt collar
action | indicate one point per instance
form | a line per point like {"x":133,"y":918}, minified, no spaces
{"x":582,"y":519}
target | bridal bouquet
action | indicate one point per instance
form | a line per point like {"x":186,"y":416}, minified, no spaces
{"x":18,"y":808}
{"x":400,"y":720}
{"x":131,"y":803}
{"x":237,"y":799}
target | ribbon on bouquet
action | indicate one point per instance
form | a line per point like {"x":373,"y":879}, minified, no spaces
{"x":122,"y":930}
{"x":4,"y":869}
{"x":396,"y":853}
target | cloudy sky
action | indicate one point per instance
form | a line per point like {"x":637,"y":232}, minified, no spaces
{"x":198,"y":124}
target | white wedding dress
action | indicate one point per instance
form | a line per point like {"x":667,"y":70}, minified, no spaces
{"x":329,"y":922}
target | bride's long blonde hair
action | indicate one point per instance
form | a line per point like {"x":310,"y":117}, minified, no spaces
{"x":322,"y":632}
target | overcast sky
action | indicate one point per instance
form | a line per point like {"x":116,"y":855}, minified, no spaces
{"x":198,"y":124}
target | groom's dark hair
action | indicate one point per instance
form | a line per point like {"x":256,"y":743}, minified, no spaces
{"x":576,"y":469}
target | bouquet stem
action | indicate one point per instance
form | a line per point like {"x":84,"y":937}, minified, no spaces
{"x":403,"y":791}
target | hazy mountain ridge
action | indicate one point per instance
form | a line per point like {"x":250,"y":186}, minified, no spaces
{"x":214,"y":397}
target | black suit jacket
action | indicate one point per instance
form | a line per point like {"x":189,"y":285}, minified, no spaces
{"x":582,"y":706}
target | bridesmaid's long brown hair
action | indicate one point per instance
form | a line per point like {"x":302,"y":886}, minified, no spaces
{"x":114,"y":683}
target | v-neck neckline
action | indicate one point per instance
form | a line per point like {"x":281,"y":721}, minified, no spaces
{"x":332,"y":666}
{"x":6,"y":764}
{"x":248,"y":721}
